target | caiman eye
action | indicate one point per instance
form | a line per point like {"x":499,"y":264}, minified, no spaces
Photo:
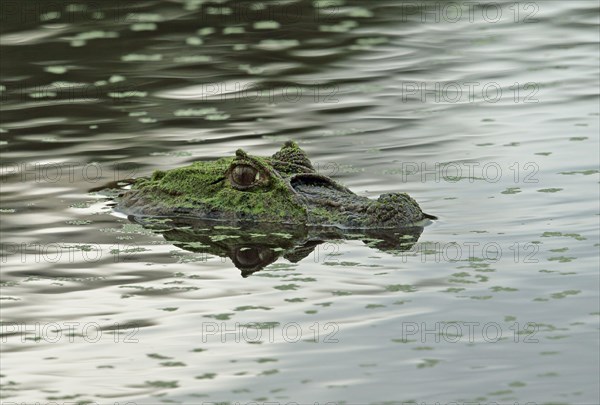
{"x":244,"y":176}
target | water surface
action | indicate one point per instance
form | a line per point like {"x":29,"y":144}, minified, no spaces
{"x":491,"y":123}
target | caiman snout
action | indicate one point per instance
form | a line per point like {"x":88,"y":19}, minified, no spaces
{"x":330,"y":202}
{"x":393,"y":210}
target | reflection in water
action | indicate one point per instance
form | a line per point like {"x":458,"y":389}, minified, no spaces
{"x":252,"y":247}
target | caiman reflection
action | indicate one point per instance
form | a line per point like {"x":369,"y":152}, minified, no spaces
{"x":253,"y":247}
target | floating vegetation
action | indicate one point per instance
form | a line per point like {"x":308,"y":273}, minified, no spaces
{"x":144,"y":17}
{"x":57,"y":70}
{"x":206,"y":376}
{"x":195,"y":112}
{"x":266,"y":25}
{"x":136,"y":57}
{"x":127,"y":94}
{"x":278,"y":44}
{"x":143,"y":27}
{"x":400,"y":287}
{"x":584,"y":172}
{"x":82,"y":38}
{"x":192,"y":59}
{"x":512,"y":190}
{"x":427,"y":363}
{"x":194,"y":41}
{"x":564,"y":294}
{"x":233,"y":30}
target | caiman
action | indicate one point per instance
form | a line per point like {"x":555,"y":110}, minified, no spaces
{"x":282,"y":189}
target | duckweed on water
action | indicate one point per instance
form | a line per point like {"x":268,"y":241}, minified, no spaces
{"x":564,"y":294}
{"x":195,"y":112}
{"x":266,"y":25}
{"x":584,"y":172}
{"x":52,"y":15}
{"x":233,"y":30}
{"x":158,"y":356}
{"x":82,"y":38}
{"x":427,"y":363}
{"x":194,"y":41}
{"x":251,"y":307}
{"x":162,"y":384}
{"x":550,"y":190}
{"x":512,"y":190}
{"x":134,"y":57}
{"x":400,"y":287}
{"x":287,"y":287}
{"x":278,"y":44}
{"x":192,"y":59}
{"x":143,"y":27}
{"x":127,"y":94}
{"x":57,"y":70}
{"x":561,"y":259}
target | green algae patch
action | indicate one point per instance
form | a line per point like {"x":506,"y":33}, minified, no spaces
{"x":206,"y":376}
{"x":584,"y":172}
{"x":400,"y":287}
{"x":205,"y":188}
{"x":564,"y":294}
{"x":512,"y":190}
{"x":158,"y":356}
{"x":173,"y":364}
{"x":427,"y":363}
{"x":162,"y":384}
{"x":550,"y":190}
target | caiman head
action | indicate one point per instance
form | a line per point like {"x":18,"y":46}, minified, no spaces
{"x":283,"y":188}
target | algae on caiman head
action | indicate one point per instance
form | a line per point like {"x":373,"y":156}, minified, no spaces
{"x":283,"y":188}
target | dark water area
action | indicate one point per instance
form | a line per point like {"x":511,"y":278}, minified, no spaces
{"x":486,"y":113}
